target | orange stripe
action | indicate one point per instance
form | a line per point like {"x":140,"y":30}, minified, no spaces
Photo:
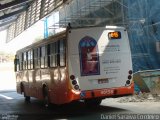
{"x":109,"y":92}
{"x":73,"y":95}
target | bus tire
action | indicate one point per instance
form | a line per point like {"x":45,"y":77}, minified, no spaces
{"x":46,"y":97}
{"x":93,"y":102}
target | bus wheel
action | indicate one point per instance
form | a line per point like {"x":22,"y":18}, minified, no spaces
{"x":46,"y":97}
{"x":93,"y":102}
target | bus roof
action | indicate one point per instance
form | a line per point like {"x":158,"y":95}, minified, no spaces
{"x":58,"y":36}
{"x":45,"y":41}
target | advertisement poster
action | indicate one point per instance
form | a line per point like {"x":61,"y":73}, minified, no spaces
{"x":89,"y":57}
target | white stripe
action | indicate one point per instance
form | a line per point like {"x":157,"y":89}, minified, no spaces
{"x":6,"y":97}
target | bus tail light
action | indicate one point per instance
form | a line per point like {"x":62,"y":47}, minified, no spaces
{"x":128,"y":82}
{"x":74,"y":82}
{"x":130,"y":72}
{"x":76,"y":87}
{"x":129,"y":77}
{"x":72,"y":77}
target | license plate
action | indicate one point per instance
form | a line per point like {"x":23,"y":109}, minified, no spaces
{"x":101,"y":81}
{"x":107,"y":92}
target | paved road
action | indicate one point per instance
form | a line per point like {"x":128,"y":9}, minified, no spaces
{"x":13,"y":107}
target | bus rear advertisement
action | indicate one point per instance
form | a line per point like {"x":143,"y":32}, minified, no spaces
{"x":88,"y":64}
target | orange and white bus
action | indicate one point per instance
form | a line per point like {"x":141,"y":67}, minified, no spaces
{"x":87,"y":64}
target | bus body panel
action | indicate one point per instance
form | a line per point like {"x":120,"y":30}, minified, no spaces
{"x":114,"y":58}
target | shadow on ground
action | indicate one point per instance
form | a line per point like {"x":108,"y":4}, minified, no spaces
{"x":35,"y":110}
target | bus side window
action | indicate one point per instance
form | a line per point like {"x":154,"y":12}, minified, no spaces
{"x":42,"y":56}
{"x":20,"y":62}
{"x":37,"y":57}
{"x":31,"y":56}
{"x":28,"y":60}
{"x":16,"y":63}
{"x":46,"y":57}
{"x":53,"y":54}
{"x":24,"y":61}
{"x":62,"y":52}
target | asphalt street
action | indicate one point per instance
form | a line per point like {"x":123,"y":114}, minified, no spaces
{"x":13,"y":106}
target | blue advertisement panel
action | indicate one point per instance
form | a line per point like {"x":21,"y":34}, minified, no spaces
{"x":89,"y":57}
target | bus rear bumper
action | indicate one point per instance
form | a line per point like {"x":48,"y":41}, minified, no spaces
{"x":104,"y":93}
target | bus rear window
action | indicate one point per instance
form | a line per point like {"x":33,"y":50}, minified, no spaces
{"x":114,"y":35}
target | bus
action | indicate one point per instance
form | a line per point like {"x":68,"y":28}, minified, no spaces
{"x":78,"y":64}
